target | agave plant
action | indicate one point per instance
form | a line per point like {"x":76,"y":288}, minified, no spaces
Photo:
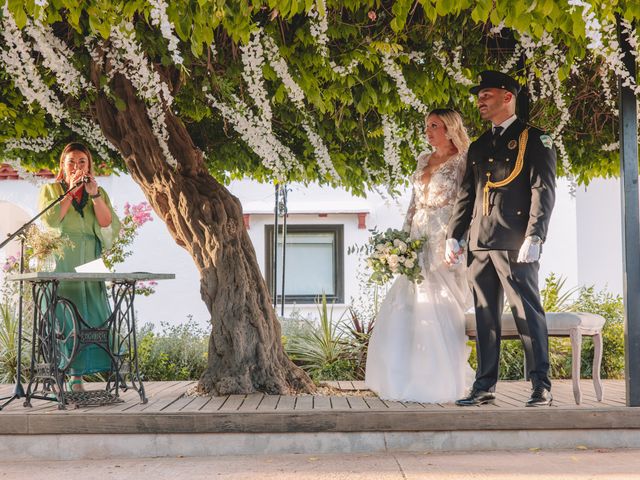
{"x":322,"y":350}
{"x":554,"y":297}
{"x":9,"y":344}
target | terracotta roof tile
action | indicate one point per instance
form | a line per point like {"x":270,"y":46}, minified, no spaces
{"x":7,"y":172}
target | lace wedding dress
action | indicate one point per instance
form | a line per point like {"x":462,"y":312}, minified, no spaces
{"x":418,"y":350}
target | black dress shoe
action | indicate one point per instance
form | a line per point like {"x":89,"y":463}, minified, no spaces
{"x":540,"y":397}
{"x":476,"y":397}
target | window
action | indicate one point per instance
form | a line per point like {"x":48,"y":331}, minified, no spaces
{"x":314,"y":262}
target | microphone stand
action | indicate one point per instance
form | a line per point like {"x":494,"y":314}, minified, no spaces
{"x":18,"y":391}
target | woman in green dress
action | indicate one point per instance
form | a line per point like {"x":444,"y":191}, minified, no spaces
{"x":87,"y":218}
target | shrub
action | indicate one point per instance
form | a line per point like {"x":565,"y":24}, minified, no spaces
{"x":179,"y":352}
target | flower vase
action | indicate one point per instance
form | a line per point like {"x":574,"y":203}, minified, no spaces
{"x":42,"y":264}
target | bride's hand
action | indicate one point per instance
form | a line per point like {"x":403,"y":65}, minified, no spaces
{"x":452,"y":251}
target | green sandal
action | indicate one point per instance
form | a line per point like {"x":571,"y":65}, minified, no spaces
{"x":75,"y":381}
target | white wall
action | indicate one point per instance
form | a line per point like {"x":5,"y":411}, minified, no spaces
{"x":599,"y":233}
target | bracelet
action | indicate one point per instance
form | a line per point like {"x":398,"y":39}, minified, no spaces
{"x":96,"y":195}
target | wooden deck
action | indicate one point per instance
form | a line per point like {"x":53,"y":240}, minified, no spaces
{"x":169,"y":410}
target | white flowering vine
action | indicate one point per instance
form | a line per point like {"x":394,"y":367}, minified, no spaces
{"x":391,"y":152}
{"x":407,"y":96}
{"x":36,"y":145}
{"x":296,"y":95}
{"x":253,"y":63}
{"x":318,"y":26}
{"x":159,"y":18}
{"x":19,"y":64}
{"x":591,"y":24}
{"x":453,"y":69}
{"x":258,"y":135}
{"x":55,"y":57}
{"x":127,"y":57}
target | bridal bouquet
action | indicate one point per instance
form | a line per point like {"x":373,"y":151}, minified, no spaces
{"x":392,"y":252}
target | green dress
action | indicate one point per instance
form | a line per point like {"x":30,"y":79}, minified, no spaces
{"x":90,"y":298}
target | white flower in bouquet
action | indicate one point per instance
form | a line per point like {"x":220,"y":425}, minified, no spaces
{"x":392,"y":252}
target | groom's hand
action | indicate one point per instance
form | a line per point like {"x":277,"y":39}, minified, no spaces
{"x":452,"y":251}
{"x":530,"y":250}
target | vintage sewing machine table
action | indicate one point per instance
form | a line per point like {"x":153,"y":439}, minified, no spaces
{"x":60,"y":333}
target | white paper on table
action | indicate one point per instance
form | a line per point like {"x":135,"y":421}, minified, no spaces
{"x":95,"y":266}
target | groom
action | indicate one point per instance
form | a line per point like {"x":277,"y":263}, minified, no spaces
{"x":503,"y":210}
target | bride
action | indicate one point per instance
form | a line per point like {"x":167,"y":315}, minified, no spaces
{"x":418,"y":351}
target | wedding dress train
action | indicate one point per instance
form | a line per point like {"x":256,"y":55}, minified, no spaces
{"x":418,"y":349}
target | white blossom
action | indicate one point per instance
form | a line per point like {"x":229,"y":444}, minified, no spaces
{"x":296,"y":95}
{"x":318,"y":27}
{"x":454,"y":69}
{"x":55,"y":57}
{"x":37,"y":145}
{"x":23,"y":70}
{"x":128,"y":58}
{"x":591,"y":24}
{"x":406,"y":94}
{"x":253,"y":62}
{"x":610,"y":147}
{"x":258,"y":135}
{"x":391,"y":151}
{"x":159,"y":18}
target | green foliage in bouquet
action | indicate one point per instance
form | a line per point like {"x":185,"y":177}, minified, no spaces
{"x":390,"y":253}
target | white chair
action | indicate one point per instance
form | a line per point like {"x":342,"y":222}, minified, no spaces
{"x":562,"y":324}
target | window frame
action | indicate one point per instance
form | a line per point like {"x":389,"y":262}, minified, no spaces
{"x":338,"y":261}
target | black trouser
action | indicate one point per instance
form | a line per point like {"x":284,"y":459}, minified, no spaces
{"x":493,"y":273}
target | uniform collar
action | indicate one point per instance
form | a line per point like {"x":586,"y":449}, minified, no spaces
{"x":506,"y":124}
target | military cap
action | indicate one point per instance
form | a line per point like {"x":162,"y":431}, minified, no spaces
{"x":493,"y":79}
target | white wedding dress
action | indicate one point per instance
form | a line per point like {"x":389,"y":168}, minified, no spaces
{"x":418,"y":351}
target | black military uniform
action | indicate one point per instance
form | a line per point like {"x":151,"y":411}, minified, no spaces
{"x":504,"y":199}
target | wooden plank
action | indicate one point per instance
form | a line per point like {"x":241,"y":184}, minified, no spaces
{"x":162,"y":399}
{"x":376,"y":404}
{"x":179,"y":404}
{"x":197,"y":403}
{"x":252,"y":402}
{"x":233,"y":403}
{"x":304,"y":402}
{"x":214,"y":404}
{"x":359,"y":385}
{"x":321,"y":403}
{"x":393,"y":405}
{"x":339,"y":403}
{"x":357,"y":403}
{"x":286,"y":403}
{"x":269,"y":403}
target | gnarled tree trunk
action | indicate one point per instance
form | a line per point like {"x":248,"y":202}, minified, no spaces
{"x":245,"y":350}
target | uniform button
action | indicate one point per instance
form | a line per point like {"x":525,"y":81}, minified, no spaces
{"x":507,"y":160}
{"x":519,"y":212}
{"x":491,"y":160}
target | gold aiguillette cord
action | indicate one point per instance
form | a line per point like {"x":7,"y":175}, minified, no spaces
{"x":524,"y":136}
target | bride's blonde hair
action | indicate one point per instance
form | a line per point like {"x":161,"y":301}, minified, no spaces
{"x":455,"y":128}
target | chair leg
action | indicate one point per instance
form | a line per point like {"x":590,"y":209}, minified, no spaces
{"x":576,"y":351}
{"x":597,"y":363}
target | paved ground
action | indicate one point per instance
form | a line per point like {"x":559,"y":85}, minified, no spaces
{"x":539,"y":465}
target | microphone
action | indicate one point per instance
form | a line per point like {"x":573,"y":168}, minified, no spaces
{"x":85,"y":179}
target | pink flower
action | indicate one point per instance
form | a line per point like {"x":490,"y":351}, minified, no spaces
{"x":372,"y":15}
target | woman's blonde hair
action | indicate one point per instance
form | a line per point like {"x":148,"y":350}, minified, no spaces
{"x":455,"y":128}
{"x":73,"y":147}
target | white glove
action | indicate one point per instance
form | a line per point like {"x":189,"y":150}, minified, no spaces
{"x":452,"y":251}
{"x":530,"y":250}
